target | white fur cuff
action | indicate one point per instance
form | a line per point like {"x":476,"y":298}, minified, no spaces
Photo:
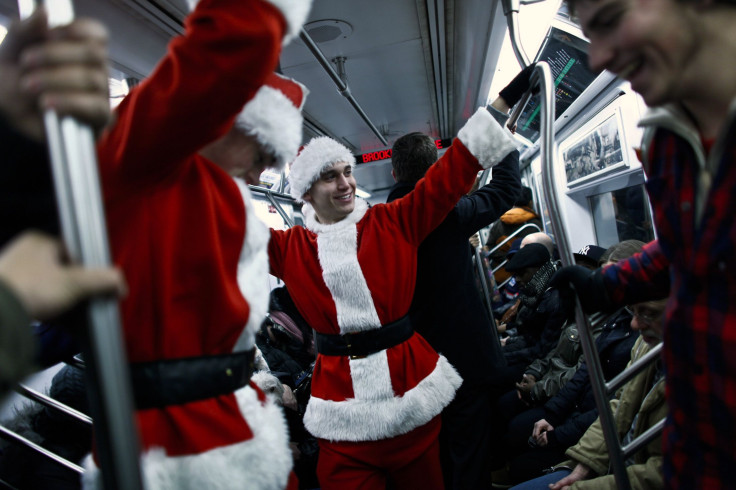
{"x":295,"y":13}
{"x":487,"y":140}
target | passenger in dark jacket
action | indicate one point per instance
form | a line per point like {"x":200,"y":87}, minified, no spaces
{"x":447,"y":309}
{"x":567,"y":416}
{"x":572,"y":410}
{"x":542,"y":313}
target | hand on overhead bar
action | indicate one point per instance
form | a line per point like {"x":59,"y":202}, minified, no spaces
{"x":64,"y":69}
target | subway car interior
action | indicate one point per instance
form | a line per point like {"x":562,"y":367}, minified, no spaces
{"x":378,"y":70}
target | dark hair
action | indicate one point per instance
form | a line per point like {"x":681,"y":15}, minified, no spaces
{"x":525,"y":197}
{"x":412,"y":155}
{"x":571,"y":4}
{"x":622,"y":250}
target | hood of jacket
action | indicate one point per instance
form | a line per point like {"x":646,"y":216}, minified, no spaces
{"x":518,"y":216}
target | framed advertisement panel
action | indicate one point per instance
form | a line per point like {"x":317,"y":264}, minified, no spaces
{"x":595,"y":149}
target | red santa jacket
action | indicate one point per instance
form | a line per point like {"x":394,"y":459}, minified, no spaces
{"x":359,"y":274}
{"x":192,"y":251}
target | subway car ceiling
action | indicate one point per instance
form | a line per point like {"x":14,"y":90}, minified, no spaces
{"x":411,"y":65}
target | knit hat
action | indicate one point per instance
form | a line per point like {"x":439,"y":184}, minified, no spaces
{"x":274,"y":117}
{"x":320,"y":154}
{"x":532,"y":255}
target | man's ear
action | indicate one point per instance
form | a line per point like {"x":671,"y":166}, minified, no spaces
{"x":393,"y":174}
{"x":307,"y":197}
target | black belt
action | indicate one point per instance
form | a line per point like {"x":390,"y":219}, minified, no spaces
{"x":158,"y":384}
{"x":361,"y":344}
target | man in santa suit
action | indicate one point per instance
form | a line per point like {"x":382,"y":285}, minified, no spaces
{"x":174,"y":169}
{"x":377,"y":386}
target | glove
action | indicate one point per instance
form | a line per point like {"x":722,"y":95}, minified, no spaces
{"x":587,"y":284}
{"x":512,"y":92}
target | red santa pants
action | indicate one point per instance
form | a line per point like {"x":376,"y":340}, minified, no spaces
{"x":410,"y":461}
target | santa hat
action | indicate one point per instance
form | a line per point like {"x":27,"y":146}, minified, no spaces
{"x":274,"y":117}
{"x":295,"y":13}
{"x":320,"y":154}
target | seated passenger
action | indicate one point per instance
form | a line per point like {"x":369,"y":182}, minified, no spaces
{"x":567,"y":415}
{"x":542,"y":312}
{"x":378,"y":387}
{"x":512,"y":220}
{"x":639,"y":405}
{"x":53,"y":430}
{"x":285,"y":338}
{"x":544,"y":377}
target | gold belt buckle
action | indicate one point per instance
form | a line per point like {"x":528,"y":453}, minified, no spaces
{"x":350,"y":346}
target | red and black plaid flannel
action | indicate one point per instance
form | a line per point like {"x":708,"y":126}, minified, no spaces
{"x":700,"y":324}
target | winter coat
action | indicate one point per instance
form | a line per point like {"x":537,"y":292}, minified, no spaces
{"x":540,"y":332}
{"x":359,"y":274}
{"x":557,"y":367}
{"x":641,"y":401}
{"x":573,"y":409}
{"x":447,"y":308}
{"x":193,"y":251}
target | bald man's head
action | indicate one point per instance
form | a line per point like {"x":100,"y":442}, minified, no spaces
{"x":541,"y":238}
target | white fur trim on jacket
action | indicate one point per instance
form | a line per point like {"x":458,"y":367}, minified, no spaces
{"x":263,"y":462}
{"x":337,"y":250}
{"x":375,"y":419}
{"x":252,"y":270}
{"x":320,"y":154}
{"x":487,"y":140}
{"x":275,"y":122}
{"x":295,"y":13}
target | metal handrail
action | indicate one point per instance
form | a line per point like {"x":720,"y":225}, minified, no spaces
{"x":542,"y":77}
{"x":342,"y":87}
{"x":79,"y":200}
{"x":503,"y":242}
{"x":508,"y":238}
{"x":483,"y":273}
{"x":51,"y":403}
{"x":642,"y":363}
{"x":511,"y":11}
{"x":12,"y":436}
{"x":273,"y":198}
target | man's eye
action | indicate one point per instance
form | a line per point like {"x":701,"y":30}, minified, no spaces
{"x":609,"y":20}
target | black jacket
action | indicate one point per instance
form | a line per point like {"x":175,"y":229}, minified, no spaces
{"x":26,"y":189}
{"x":540,"y":331}
{"x":447,"y":308}
{"x":573,"y":409}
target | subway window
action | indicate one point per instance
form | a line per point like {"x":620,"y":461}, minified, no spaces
{"x":622,"y":214}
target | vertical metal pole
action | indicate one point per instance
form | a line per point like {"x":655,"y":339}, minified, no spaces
{"x":543,"y":76}
{"x":511,"y":11}
{"x":76,"y":181}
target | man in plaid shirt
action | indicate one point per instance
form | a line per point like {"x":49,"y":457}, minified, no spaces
{"x":676,"y":55}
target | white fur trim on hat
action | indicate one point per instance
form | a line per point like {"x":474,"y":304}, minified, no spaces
{"x":275,"y":122}
{"x":320,"y":154}
{"x":295,"y":12}
{"x":264,"y":461}
{"x":486,"y":139}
